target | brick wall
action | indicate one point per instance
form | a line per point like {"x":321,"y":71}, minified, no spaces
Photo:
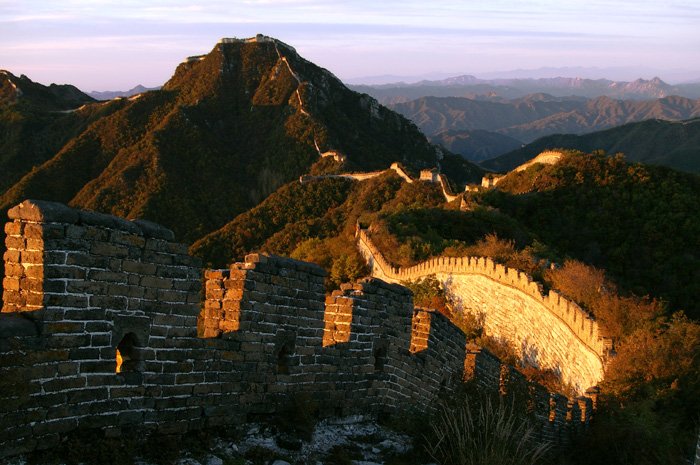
{"x":547,"y":330}
{"x":80,"y":285}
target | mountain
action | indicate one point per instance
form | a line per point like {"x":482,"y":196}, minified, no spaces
{"x":54,"y":97}
{"x":435,"y":114}
{"x":224,"y":132}
{"x":36,"y":122}
{"x":111,"y":94}
{"x":671,"y":143}
{"x":604,"y":112}
{"x":511,"y":88}
{"x":537,"y":115}
{"x":475,"y":144}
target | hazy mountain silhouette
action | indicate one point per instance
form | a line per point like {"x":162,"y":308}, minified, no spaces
{"x":533,"y":116}
{"x":112,"y":94}
{"x":515,"y":87}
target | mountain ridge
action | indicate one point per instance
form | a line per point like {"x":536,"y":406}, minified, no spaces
{"x":533,"y":116}
{"x":229,"y":128}
{"x":510,"y":88}
{"x":112,"y":94}
{"x":644,"y":141}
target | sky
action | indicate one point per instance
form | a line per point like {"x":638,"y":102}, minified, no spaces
{"x":117,"y":44}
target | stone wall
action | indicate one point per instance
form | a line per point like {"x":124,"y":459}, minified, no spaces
{"x":359,"y":176}
{"x":547,"y":157}
{"x":77,"y":286}
{"x":82,"y":287}
{"x":555,"y":418}
{"x":549,"y":331}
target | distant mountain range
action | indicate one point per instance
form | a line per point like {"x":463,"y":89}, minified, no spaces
{"x":585,"y":72}
{"x":109,"y":95}
{"x":475,"y":144}
{"x":670,"y":143}
{"x":450,"y":121}
{"x":511,"y":88}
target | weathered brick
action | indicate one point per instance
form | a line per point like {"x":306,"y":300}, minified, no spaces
{"x":139,"y":267}
{"x":102,"y":248}
{"x":65,"y":272}
{"x":159,"y":283}
{"x":65,"y":300}
{"x":62,"y":384}
{"x":64,"y":327}
{"x":11,"y":284}
{"x":109,"y":276}
{"x":108,"y":302}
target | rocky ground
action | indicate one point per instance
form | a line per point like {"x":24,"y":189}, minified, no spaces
{"x":346,"y":441}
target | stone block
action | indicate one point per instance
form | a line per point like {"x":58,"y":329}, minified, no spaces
{"x":43,"y":211}
{"x":11,"y":256}
{"x":139,"y":267}
{"x":108,"y":302}
{"x":108,"y":276}
{"x":110,"y":250}
{"x":158,"y":283}
{"x":153,"y":230}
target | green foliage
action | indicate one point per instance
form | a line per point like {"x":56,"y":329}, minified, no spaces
{"x":294,"y":207}
{"x":651,"y":390}
{"x":638,"y":222}
{"x":429,"y":293}
{"x":410,"y":235}
{"x":313,"y":222}
{"x":671,"y":143}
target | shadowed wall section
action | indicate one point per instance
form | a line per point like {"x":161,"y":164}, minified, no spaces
{"x":81,"y":286}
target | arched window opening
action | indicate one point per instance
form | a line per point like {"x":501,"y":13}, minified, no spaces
{"x":284,"y":359}
{"x":379,"y":358}
{"x":127,"y":354}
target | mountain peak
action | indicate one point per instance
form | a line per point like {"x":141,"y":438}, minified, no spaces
{"x":244,"y":119}
{"x":53,"y":97}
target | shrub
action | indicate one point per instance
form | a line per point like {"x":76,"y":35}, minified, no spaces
{"x":482,"y":433}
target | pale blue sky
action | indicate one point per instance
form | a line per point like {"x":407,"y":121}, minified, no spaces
{"x":114,"y":45}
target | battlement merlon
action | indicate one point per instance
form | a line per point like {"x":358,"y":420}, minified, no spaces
{"x":42,"y":211}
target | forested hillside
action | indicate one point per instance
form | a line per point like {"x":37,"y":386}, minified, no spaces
{"x":228,"y":129}
{"x":670,"y":143}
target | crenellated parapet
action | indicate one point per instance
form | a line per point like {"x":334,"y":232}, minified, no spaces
{"x":548,"y":157}
{"x":548,"y":330}
{"x":103,"y":328}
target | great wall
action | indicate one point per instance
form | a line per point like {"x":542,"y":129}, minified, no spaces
{"x":83,"y":289}
{"x":432,"y":176}
{"x":548,"y":157}
{"x":548,"y":331}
